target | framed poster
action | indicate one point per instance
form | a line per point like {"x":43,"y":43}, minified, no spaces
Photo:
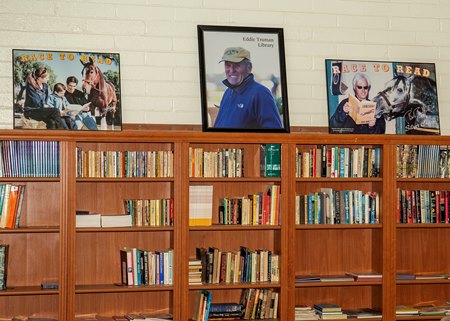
{"x":243,"y":79}
{"x":66,"y":90}
{"x":380,"y":97}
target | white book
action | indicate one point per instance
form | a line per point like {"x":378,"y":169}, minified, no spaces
{"x":200,"y":205}
{"x":88,"y":220}
{"x":116,"y":220}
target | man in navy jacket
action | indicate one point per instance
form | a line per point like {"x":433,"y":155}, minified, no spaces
{"x":245,"y":103}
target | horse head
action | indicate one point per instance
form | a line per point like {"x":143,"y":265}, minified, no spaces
{"x":101,"y":93}
{"x":413,"y":97}
{"x":394,"y":99}
{"x":92,"y":76}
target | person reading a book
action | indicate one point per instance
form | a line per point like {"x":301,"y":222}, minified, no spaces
{"x":57,"y":100}
{"x":77,"y":97}
{"x":343,"y":119}
{"x":245,"y":103}
{"x":36,"y":95}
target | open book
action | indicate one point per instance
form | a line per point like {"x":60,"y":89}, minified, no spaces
{"x":75,"y":108}
{"x":363,"y":111}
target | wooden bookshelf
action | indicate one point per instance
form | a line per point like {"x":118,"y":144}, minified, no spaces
{"x":86,"y":261}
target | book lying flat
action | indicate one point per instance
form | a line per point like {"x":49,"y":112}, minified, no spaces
{"x":365,"y":276}
{"x":406,"y":310}
{"x":362,"y":313}
{"x":336,"y":278}
{"x":401,"y":276}
{"x":116,"y":220}
{"x":327,"y":307}
{"x":88,"y":220}
{"x":307,"y":278}
{"x":433,"y":311}
{"x":431,"y":276}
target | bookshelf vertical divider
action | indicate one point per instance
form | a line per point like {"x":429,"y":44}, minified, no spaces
{"x":67,"y":229}
{"x":183,"y":228}
{"x":389,"y":196}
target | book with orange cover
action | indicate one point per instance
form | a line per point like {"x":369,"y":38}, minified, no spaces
{"x":12,"y":206}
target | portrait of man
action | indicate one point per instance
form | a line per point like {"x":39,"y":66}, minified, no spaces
{"x":242,"y":79}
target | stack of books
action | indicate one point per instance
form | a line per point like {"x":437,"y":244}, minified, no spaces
{"x":305,"y":313}
{"x":195,"y":272}
{"x":406,"y":310}
{"x":328,"y":311}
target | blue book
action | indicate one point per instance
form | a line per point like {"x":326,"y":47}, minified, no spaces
{"x":346,"y":208}
{"x":207,"y":298}
{"x":310,"y":207}
{"x":225,"y":307}
{"x":342,"y":162}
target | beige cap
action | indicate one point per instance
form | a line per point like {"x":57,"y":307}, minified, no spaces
{"x":235,"y":54}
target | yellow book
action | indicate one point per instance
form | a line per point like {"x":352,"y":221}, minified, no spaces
{"x":363,"y":111}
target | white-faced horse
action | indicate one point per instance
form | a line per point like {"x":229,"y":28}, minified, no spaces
{"x":414,"y":98}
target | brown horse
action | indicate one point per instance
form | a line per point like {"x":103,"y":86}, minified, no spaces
{"x":101,"y":93}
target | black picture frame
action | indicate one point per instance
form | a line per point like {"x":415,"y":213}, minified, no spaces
{"x":401,"y":97}
{"x":265,"y":48}
{"x":96,"y":103}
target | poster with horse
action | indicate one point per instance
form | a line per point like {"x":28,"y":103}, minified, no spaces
{"x":66,"y":90}
{"x":380,"y":97}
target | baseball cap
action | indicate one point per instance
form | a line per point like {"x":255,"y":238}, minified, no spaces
{"x":235,"y":54}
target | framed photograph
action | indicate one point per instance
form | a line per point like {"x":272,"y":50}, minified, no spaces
{"x":381,"y":97}
{"x":66,"y":90}
{"x":243,"y":79}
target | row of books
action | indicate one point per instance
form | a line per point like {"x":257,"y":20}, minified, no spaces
{"x":4,"y":249}
{"x":253,"y":304}
{"x":336,"y":161}
{"x":259,"y":304}
{"x":224,"y":162}
{"x":329,"y":206}
{"x":141,"y":267}
{"x":11,"y":200}
{"x":270,"y":160}
{"x":150,"y":212}
{"x":423,"y":206}
{"x":256,"y":209}
{"x":124,"y":163}
{"x":236,"y":266}
{"x":423,"y":161}
{"x":29,"y":158}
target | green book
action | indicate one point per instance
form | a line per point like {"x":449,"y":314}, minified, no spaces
{"x":273,"y":160}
